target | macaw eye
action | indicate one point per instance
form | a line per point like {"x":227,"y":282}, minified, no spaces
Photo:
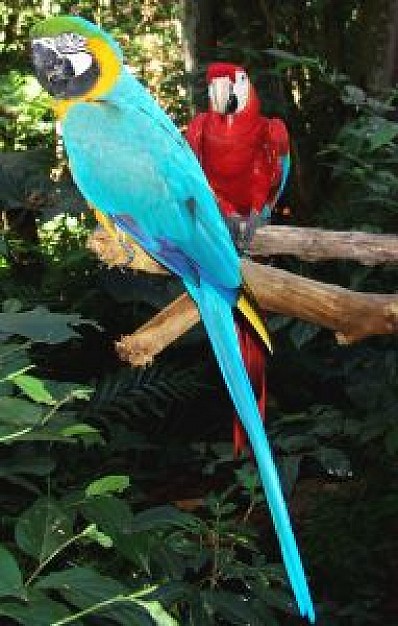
{"x":241,"y":77}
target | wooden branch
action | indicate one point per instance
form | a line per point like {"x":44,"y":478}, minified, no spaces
{"x":141,"y":347}
{"x":120,"y":254}
{"x":308,"y":244}
{"x":350,"y":315}
{"x":316,"y":244}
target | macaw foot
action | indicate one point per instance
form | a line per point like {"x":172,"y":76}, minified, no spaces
{"x":126,"y":244}
{"x":242,"y":229}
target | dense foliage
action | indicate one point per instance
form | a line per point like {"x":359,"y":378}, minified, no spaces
{"x":120,"y":500}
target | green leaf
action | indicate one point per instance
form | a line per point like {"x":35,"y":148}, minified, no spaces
{"x":334,"y":461}
{"x":92,"y":532}
{"x":34,"y":388}
{"x":88,"y":434}
{"x":108,"y":484}
{"x":18,"y":412}
{"x":273,"y":596}
{"x":43,"y":528}
{"x":113,"y":516}
{"x":84,"y":587}
{"x":40,"y":325}
{"x":38,"y":611}
{"x":161,"y":517}
{"x":11,"y":583}
{"x":382,"y":132}
{"x":158,"y":613}
{"x":232,"y":607}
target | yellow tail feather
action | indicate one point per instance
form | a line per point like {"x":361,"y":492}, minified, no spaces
{"x":104,"y":221}
{"x":248,"y":310}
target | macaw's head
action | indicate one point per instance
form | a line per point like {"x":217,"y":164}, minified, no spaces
{"x":74,"y":59}
{"x":230,"y":90}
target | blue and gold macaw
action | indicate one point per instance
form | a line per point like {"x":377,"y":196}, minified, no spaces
{"x":130,"y":162}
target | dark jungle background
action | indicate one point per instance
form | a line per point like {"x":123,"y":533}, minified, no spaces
{"x":120,"y":502}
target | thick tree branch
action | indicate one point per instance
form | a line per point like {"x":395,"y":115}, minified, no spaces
{"x":316,"y":244}
{"x":350,"y":315}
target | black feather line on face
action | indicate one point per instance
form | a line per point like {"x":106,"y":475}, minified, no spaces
{"x":56,"y":73}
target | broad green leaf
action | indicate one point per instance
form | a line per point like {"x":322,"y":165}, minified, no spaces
{"x":381,"y":132}
{"x":43,"y":528}
{"x":111,"y":514}
{"x":74,"y":391}
{"x":107,"y":485}
{"x":84,"y":587}
{"x":113,"y":517}
{"x":13,"y":358}
{"x":232,"y":608}
{"x":11,"y":583}
{"x":158,"y":613}
{"x":34,"y":388}
{"x":38,"y":611}
{"x":79,"y":430}
{"x":161,"y":517}
{"x":333,"y":460}
{"x":40,"y":325}
{"x":86,"y":433}
{"x":19,"y":413}
{"x":274,"y":597}
{"x":92,"y":532}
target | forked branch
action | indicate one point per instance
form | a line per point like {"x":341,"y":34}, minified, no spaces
{"x":352,"y":316}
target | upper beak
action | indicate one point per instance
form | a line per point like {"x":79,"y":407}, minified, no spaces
{"x":220,"y":90}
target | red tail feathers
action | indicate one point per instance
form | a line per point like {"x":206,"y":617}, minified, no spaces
{"x":254,"y":357}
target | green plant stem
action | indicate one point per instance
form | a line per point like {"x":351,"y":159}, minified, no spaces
{"x":42,"y":422}
{"x":15,"y":435}
{"x":134,"y":597}
{"x":11,"y":376}
{"x":46,"y":561}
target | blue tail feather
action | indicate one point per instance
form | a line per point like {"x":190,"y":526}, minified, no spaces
{"x":217,"y":317}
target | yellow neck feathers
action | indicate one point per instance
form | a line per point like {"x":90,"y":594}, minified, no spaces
{"x":110,"y":67}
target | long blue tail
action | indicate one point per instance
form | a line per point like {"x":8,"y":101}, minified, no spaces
{"x":217,"y":317}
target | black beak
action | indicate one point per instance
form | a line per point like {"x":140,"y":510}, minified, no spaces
{"x":52,"y":70}
{"x":232,"y":104}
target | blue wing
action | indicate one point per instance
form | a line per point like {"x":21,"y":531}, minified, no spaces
{"x":267,"y":208}
{"x":149,"y":174}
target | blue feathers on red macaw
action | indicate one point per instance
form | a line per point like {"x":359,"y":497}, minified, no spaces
{"x":246,"y":159}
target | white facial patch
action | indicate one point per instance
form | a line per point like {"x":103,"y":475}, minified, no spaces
{"x":241,"y":89}
{"x":80,"y":61}
{"x":219,"y":92}
{"x":66,"y":43}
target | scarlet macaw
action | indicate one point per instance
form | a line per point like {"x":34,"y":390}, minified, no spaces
{"x":246,"y":160}
{"x":133,"y":165}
